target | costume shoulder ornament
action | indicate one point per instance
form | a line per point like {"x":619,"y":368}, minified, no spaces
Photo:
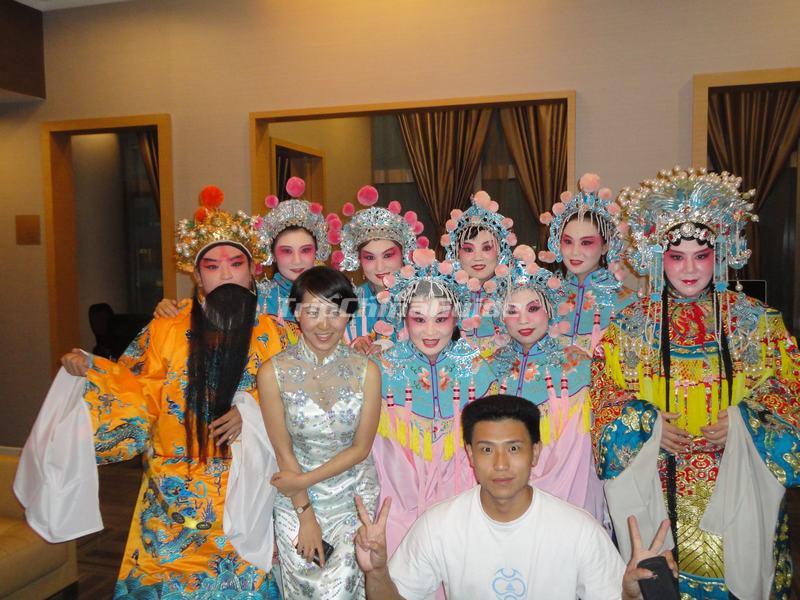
{"x":687,"y":204}
{"x":376,"y":223}
{"x":297,"y":212}
{"x":211,"y":225}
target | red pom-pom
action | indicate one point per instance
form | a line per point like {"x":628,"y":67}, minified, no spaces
{"x":423,"y":242}
{"x":295,"y":187}
{"x":348,"y":210}
{"x":394,"y":207}
{"x":271,"y":201}
{"x":315,"y":208}
{"x":367,"y":195}
{"x":211,"y":196}
{"x":334,"y":236}
{"x":331,"y":217}
{"x":336,"y":258}
{"x":201,"y":214}
{"x":418,"y":227}
{"x":410,"y":217}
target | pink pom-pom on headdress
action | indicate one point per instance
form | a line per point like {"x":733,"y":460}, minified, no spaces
{"x":348,"y":210}
{"x":383,"y":328}
{"x":545,"y":218}
{"x":418,"y":227}
{"x":564,"y":308}
{"x":295,"y":187}
{"x":456,"y":213}
{"x":512,"y":239}
{"x":271,"y":201}
{"x":450,"y":225}
{"x":389,"y":280}
{"x":490,"y":286}
{"x":334,"y":236}
{"x":501,"y":270}
{"x":554,"y":283}
{"x":315,"y":208}
{"x":445,"y":240}
{"x":524,"y":253}
{"x":383,"y":296}
{"x":565,"y":196}
{"x":394,"y":207}
{"x":482,"y":199}
{"x":532,"y":268}
{"x":407,"y":271}
{"x":507,"y":222}
{"x":474,"y":284}
{"x":614,"y":209}
{"x":493,"y":206}
{"x":547,"y":256}
{"x":410,"y":217}
{"x":423,"y":242}
{"x":423,"y":257}
{"x":558,"y":208}
{"x":461,"y":277}
{"x":589,"y":182}
{"x":336,"y":258}
{"x":623,"y":227}
{"x":367,"y":195}
{"x":604,"y":193}
{"x":563,"y":327}
{"x":446,"y":267}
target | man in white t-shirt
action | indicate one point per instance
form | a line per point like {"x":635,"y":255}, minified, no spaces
{"x":502,"y":539}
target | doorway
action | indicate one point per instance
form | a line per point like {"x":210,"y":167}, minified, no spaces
{"x":61,"y":220}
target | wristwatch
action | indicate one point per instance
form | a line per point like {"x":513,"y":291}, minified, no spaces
{"x":301,"y":509}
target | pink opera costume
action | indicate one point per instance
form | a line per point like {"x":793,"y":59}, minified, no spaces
{"x":418,"y":451}
{"x":534,"y":366}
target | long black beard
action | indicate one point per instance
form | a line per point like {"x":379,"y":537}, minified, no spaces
{"x":219,"y":348}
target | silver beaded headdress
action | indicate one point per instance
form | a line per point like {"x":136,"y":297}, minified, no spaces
{"x":687,"y":204}
{"x":377,"y":223}
{"x":298,"y":213}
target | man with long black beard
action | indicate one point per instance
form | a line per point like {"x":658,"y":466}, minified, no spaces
{"x":169,"y":398}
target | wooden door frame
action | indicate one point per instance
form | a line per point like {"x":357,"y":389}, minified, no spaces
{"x":59,"y":209}
{"x":261,"y":183}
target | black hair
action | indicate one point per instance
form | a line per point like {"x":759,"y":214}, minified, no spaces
{"x":219,"y":348}
{"x":290,"y":228}
{"x":325,"y":283}
{"x":498,"y":407}
{"x":364,"y":243}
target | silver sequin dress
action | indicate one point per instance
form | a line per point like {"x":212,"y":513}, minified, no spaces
{"x":322,"y":403}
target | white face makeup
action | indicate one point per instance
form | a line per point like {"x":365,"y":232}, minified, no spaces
{"x":294,"y":253}
{"x":689,"y":267}
{"x":478,"y":255}
{"x":430,"y":323}
{"x":582,"y":247}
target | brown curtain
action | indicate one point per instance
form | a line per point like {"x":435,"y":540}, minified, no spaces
{"x":536,"y":136}
{"x":444,"y":148}
{"x":751,"y":132}
{"x":148,"y":148}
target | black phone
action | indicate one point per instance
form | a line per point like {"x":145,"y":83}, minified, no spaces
{"x":327,"y":550}
{"x":663,"y":586}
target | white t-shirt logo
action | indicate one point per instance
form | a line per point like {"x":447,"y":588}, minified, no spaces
{"x":508,"y":584}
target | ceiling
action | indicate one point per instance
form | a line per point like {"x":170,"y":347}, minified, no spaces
{"x":45,"y":5}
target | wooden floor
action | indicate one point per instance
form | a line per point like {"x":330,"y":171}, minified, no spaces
{"x":99,"y":555}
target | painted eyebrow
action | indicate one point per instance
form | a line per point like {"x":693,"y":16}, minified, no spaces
{"x":503,"y":443}
{"x":214,"y":260}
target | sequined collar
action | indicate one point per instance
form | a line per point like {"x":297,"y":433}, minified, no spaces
{"x":305,"y":352}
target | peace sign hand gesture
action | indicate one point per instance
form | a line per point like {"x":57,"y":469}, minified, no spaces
{"x":633,"y":573}
{"x":371,"y":537}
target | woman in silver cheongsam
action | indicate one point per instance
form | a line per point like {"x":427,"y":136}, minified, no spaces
{"x":321,"y":405}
